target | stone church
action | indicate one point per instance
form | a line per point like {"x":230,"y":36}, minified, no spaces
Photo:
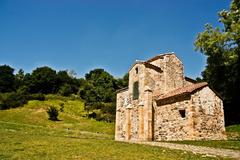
{"x":160,"y":104}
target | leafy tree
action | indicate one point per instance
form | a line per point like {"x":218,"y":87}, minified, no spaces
{"x":63,"y":77}
{"x":19,"y":78}
{"x":101,"y":84}
{"x":7,"y":79}
{"x":222,"y":48}
{"x":65,"y":90}
{"x":43,"y":80}
{"x":67,"y":83}
{"x":123,"y":82}
{"x":20,"y":75}
{"x":99,"y":92}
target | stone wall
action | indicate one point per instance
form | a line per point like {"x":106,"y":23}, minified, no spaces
{"x":120,"y":125}
{"x":204,"y":117}
{"x":209,"y":115}
{"x":137,"y":73}
{"x":172,"y":76}
{"x":169,"y":124}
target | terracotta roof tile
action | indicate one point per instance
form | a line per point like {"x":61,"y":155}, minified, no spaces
{"x":183,"y":90}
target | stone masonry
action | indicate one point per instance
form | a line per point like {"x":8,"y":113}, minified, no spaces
{"x":160,"y":104}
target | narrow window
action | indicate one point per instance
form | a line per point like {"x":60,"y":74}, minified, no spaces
{"x":136,"y":69}
{"x":135,"y":90}
{"x":182,"y":113}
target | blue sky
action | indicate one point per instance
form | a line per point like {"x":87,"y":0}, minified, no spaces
{"x":85,"y":34}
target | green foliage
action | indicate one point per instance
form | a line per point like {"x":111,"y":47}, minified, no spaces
{"x":19,"y":79}
{"x":222,"y":48}
{"x":99,"y":93}
{"x":36,"y":96}
{"x":65,"y":90}
{"x":97,"y":89}
{"x":233,"y":128}
{"x":7,"y":79}
{"x":100,"y":86}
{"x":67,"y":83}
{"x":43,"y":80}
{"x":123,"y":82}
{"x":12,"y":100}
{"x":102,"y":111}
{"x":53,"y":113}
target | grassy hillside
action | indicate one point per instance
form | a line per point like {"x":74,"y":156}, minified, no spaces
{"x":26,"y":133}
{"x":34,"y":113}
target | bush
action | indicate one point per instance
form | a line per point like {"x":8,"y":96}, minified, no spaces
{"x":92,"y":115}
{"x":52,"y":113}
{"x":101,"y":111}
{"x":37,"y":96}
{"x":65,"y":90}
{"x":12,"y":100}
{"x":61,"y":107}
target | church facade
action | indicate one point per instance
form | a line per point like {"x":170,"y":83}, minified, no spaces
{"x":160,"y":104}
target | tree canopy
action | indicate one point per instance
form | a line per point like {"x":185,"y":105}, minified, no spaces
{"x":97,"y":89}
{"x":7,"y":79}
{"x":221,"y":45}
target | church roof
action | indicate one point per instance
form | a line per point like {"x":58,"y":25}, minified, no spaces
{"x":148,"y":62}
{"x":180,"y":91}
{"x":122,"y":90}
{"x":158,"y":57}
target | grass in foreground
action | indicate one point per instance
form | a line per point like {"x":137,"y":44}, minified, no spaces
{"x":227,"y":144}
{"x":26,"y":133}
{"x":21,"y":141}
{"x":233,"y":142}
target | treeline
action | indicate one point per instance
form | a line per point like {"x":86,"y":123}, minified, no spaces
{"x":97,"y":89}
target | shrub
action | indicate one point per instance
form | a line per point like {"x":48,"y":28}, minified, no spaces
{"x":12,"y":100}
{"x":37,"y":96}
{"x":65,"y":90}
{"x":61,"y":107}
{"x":92,"y":115}
{"x":52,"y":113}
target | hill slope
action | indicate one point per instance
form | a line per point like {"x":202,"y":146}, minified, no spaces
{"x":26,"y":133}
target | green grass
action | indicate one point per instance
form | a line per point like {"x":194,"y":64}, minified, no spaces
{"x":227,"y":144}
{"x":26,"y":133}
{"x":233,"y":142}
{"x":233,"y":128}
{"x":20,"y":141}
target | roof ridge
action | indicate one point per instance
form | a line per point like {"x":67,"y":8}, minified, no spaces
{"x":158,"y":56}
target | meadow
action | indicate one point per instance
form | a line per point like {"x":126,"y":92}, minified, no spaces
{"x":26,"y":133}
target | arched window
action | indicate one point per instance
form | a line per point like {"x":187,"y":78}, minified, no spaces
{"x":136,"y":69}
{"x":135,"y":90}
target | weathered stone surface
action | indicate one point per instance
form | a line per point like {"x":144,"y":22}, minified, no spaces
{"x":190,"y":112}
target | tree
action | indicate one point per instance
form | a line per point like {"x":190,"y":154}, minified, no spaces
{"x":123,"y":82}
{"x":67,"y":84}
{"x":222,"y":48}
{"x":43,"y":80}
{"x":7,"y":79}
{"x":101,"y":84}
{"x":99,"y":93}
{"x":19,"y":79}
